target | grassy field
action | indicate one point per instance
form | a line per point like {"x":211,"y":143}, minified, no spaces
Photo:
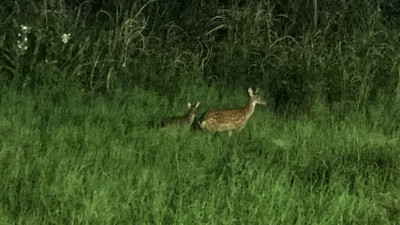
{"x":77,"y":158}
{"x":84,"y":86}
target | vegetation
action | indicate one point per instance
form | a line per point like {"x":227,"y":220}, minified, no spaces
{"x":83,"y":85}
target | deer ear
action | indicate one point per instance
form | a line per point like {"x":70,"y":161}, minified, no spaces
{"x":257,"y":90}
{"x":250,"y":91}
{"x":197,"y":104}
{"x":189,"y":105}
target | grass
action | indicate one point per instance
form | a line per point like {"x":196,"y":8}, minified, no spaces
{"x":79,"y":135}
{"x":94,"y":160}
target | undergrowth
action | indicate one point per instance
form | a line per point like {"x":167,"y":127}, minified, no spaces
{"x":85,"y":84}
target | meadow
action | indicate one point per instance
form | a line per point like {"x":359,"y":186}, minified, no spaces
{"x":83,"y":90}
{"x":95,"y":160}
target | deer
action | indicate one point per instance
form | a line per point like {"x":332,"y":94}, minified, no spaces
{"x":185,"y":120}
{"x":219,"y":120}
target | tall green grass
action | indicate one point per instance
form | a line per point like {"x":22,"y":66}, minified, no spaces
{"x":299,"y":53}
{"x":79,"y":141}
{"x":93,"y":159}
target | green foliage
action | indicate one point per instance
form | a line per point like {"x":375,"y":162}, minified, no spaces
{"x":84,"y":84}
{"x":76,"y":157}
{"x":300,"y":51}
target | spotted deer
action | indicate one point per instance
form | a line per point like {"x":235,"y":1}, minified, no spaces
{"x":231,"y":119}
{"x":185,"y":120}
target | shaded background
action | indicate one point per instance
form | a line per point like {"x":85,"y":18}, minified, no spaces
{"x":301,"y":52}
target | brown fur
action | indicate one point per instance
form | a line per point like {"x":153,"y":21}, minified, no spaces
{"x":231,"y":119}
{"x":184,"y":120}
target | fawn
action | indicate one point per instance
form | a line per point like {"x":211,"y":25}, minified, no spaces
{"x":183,"y":121}
{"x":231,"y":119}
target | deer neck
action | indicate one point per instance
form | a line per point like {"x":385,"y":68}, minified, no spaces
{"x":189,"y":115}
{"x":249,"y":108}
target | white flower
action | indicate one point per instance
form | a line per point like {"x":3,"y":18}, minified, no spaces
{"x":65,"y":38}
{"x":25,"y":29}
{"x":21,"y":45}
